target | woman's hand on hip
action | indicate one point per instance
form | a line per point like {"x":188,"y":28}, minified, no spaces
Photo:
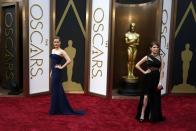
{"x":58,"y":66}
{"x":147,"y":71}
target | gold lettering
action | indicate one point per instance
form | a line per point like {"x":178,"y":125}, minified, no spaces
{"x":36,"y":71}
{"x":35,"y":25}
{"x":96,"y":72}
{"x":98,"y":15}
{"x":38,"y":34}
{"x":34,"y":51}
{"x":36,"y":8}
{"x":96,"y":28}
{"x":8,"y":19}
{"x":8,"y":55}
{"x":37,"y":62}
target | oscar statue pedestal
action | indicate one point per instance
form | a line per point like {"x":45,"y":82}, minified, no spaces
{"x":129,"y":87}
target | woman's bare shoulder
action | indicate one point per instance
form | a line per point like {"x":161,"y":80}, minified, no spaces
{"x":145,"y":57}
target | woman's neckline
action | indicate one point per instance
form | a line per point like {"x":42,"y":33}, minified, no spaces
{"x":56,"y":54}
{"x":156,"y":57}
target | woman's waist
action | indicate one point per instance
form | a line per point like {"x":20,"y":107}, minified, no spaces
{"x":56,"y":69}
{"x":154,"y":68}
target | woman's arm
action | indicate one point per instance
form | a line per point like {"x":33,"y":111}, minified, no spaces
{"x":50,"y":73}
{"x":161,"y":73}
{"x":138,"y":65}
{"x":67,"y":58}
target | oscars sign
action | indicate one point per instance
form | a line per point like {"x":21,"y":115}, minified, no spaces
{"x":165,"y":39}
{"x":39,"y":37}
{"x":99,"y":46}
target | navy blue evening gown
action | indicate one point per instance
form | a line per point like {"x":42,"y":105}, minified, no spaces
{"x":59,"y":102}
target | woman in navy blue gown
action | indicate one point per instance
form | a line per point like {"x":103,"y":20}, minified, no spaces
{"x":149,"y":106}
{"x":59,"y":102}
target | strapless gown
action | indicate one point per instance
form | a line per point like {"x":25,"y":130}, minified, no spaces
{"x":59,"y":102}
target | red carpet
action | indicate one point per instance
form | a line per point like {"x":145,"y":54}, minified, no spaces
{"x":31,"y":114}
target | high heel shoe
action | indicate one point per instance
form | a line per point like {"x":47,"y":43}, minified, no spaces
{"x":141,"y":118}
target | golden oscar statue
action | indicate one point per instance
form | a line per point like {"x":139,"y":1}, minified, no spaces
{"x":132,"y":41}
{"x":185,"y":87}
{"x":69,"y":85}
